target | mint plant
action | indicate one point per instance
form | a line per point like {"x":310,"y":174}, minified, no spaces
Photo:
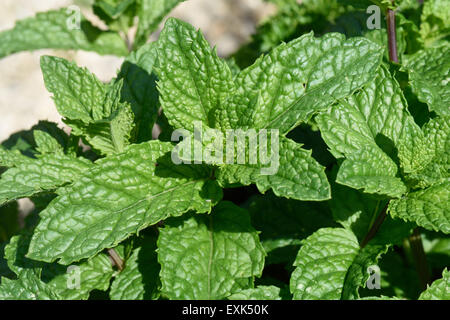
{"x":356,"y":122}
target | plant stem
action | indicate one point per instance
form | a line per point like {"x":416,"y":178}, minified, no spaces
{"x":415,"y":242}
{"x":392,"y":36}
{"x":375,"y":227}
{"x":117,"y":260}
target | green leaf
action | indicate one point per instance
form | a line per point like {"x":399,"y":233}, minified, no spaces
{"x":119,"y":196}
{"x":27,"y":287}
{"x":139,"y":89}
{"x":151,"y":13}
{"x":376,"y":117}
{"x":357,"y":211}
{"x":58,"y":30}
{"x":34,"y":176}
{"x":375,"y":133}
{"x":113,"y":8}
{"x":435,"y":25}
{"x":206,"y":257}
{"x":77,"y":93}
{"x":437,"y":135}
{"x":90,"y":107}
{"x":358,"y":272}
{"x":429,"y":77}
{"x":428,"y":208}
{"x":298,"y":175}
{"x":297,"y":79}
{"x":331,"y":265}
{"x":11,"y":158}
{"x":193,"y":79}
{"x":45,"y":143}
{"x":258,"y":293}
{"x":371,"y":170}
{"x":92,"y":274}
{"x":140,"y":278}
{"x":439,"y":289}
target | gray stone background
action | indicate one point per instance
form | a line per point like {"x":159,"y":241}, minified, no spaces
{"x":23,"y":98}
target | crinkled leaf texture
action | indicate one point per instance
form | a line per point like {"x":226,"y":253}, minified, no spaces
{"x":50,"y":170}
{"x":299,"y":176}
{"x":209,"y":256}
{"x":193,"y":79}
{"x":26,"y":287}
{"x":91,"y":108}
{"x":280,"y":90}
{"x":297,"y":79}
{"x":375,"y":133}
{"x":429,"y":208}
{"x":429,"y":76}
{"x":355,"y":211}
{"x":435,"y":22}
{"x":437,"y":135}
{"x":331,"y":265}
{"x":119,"y":196}
{"x":439,"y":289}
{"x":258,"y":293}
{"x":58,"y":30}
{"x":94,"y":273}
{"x":139,"y":89}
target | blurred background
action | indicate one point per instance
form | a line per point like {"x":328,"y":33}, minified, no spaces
{"x":24,"y":100}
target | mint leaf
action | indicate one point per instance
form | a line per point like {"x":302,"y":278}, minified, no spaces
{"x":27,"y":287}
{"x":371,"y":129}
{"x":73,"y":282}
{"x":297,"y":79}
{"x":113,"y":8}
{"x":202,"y":259}
{"x":58,"y":30}
{"x":358,"y":272}
{"x":428,"y":208}
{"x":145,"y":187}
{"x":435,"y":26}
{"x":151,"y":13}
{"x":437,"y":135}
{"x":357,"y":211}
{"x":193,"y":79}
{"x":46,"y":173}
{"x":377,"y":116}
{"x":332,"y":255}
{"x":429,"y":77}
{"x":139,"y":89}
{"x":96,"y":112}
{"x":439,"y":289}
{"x":298,"y":176}
{"x":258,"y":293}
